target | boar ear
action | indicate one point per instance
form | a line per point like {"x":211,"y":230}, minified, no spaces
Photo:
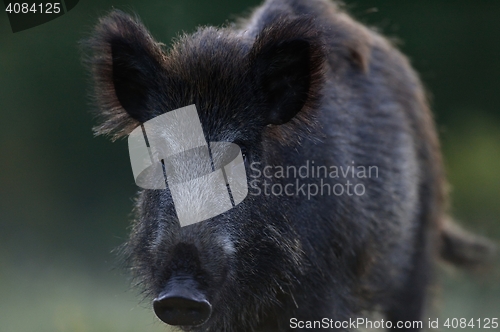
{"x":126,"y":65}
{"x":287,"y":60}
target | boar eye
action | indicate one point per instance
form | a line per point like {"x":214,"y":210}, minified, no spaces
{"x":244,"y":153}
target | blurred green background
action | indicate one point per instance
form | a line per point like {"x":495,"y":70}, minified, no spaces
{"x":65,"y":196}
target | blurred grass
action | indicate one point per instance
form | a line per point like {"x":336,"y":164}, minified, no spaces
{"x":68,"y":298}
{"x":466,"y":295}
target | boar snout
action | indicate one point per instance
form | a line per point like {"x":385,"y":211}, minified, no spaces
{"x":182,"y":304}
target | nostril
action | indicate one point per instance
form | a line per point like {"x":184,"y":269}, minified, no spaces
{"x":179,"y":310}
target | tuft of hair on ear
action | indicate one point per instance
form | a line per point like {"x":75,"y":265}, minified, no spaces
{"x":287,"y":63}
{"x":125,"y":63}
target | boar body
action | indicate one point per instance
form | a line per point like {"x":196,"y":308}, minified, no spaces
{"x":298,"y":82}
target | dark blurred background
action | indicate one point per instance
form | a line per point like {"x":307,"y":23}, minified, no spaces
{"x":66,"y":197}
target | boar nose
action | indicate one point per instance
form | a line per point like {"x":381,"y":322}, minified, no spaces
{"x":182,"y":304}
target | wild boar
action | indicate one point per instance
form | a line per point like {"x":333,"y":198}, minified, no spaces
{"x":297,"y":84}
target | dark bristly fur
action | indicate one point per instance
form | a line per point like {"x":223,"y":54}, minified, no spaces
{"x":299,"y":80}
